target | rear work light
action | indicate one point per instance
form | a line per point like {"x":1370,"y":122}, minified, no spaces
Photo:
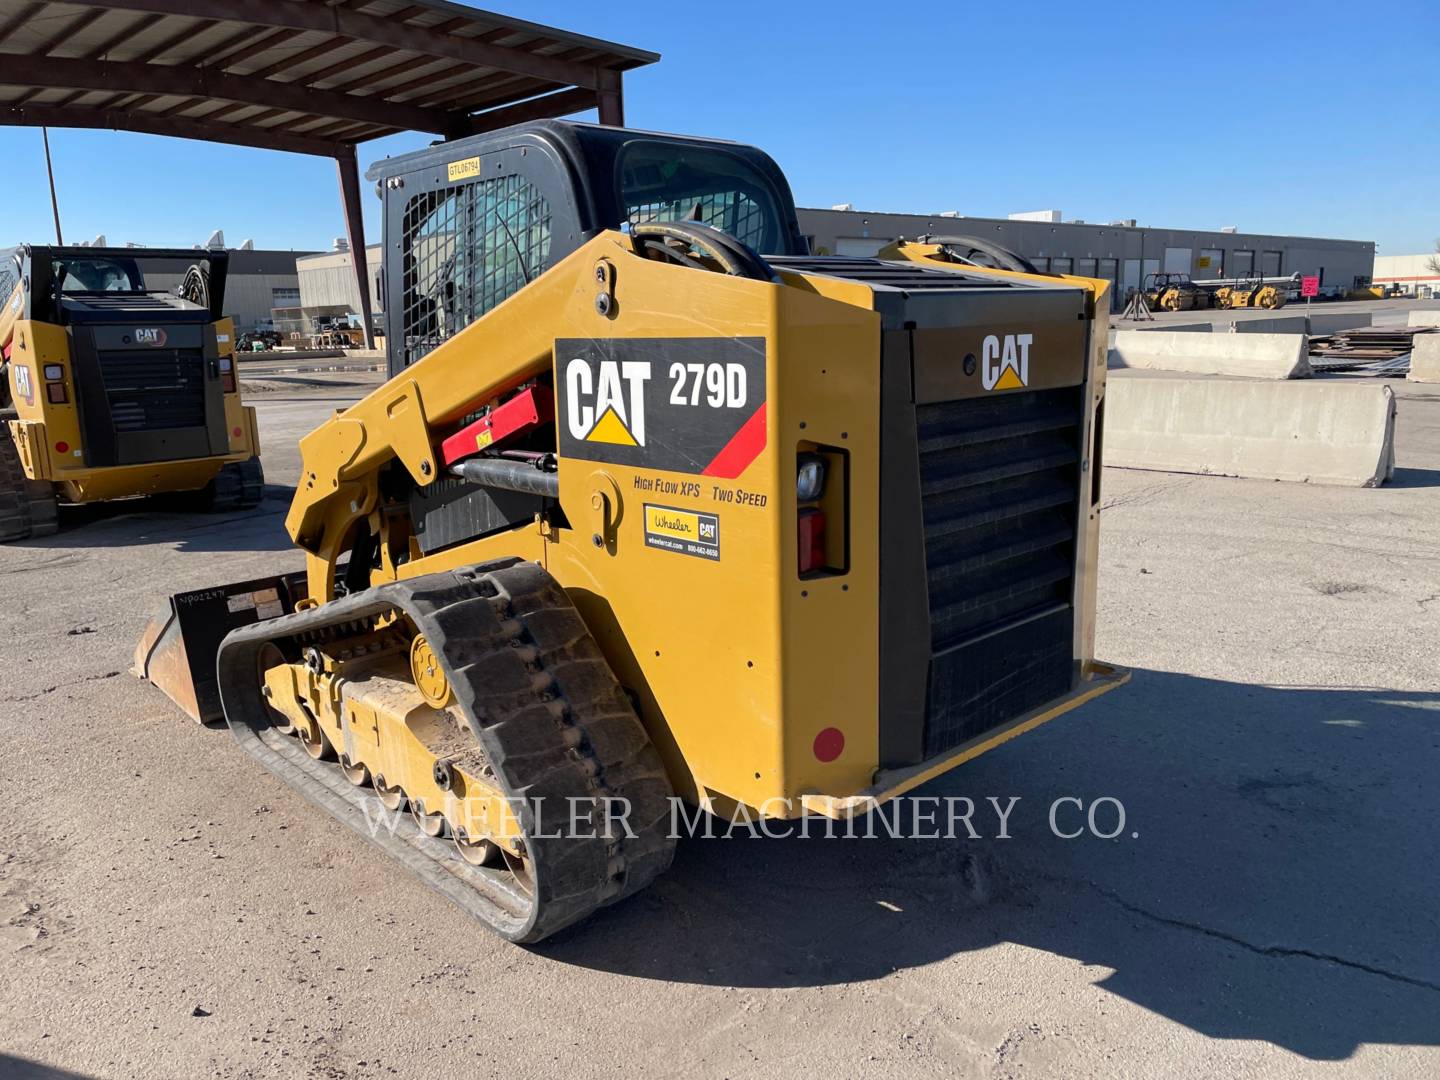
{"x":810,"y":477}
{"x":821,"y":496}
{"x":812,"y":539}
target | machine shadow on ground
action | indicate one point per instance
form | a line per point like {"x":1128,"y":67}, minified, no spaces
{"x":1274,"y":879}
{"x":164,"y":520}
{"x":14,"y":1068}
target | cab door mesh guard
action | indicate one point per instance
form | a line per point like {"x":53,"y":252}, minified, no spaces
{"x":467,"y":248}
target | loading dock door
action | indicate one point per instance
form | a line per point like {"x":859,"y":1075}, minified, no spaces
{"x":1177,"y":260}
{"x":861,"y":247}
{"x":1110,"y":268}
{"x":1132,"y":274}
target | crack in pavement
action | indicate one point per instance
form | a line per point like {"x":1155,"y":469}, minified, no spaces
{"x":1275,"y":951}
{"x":232,"y":520}
{"x":47,"y":564}
{"x":51,"y":689}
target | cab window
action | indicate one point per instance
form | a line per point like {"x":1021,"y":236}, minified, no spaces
{"x":661,"y":181}
{"x":101,"y":275}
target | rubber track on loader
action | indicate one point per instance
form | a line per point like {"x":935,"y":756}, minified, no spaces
{"x":240,"y":485}
{"x":553,"y":725}
{"x":27,"y":507}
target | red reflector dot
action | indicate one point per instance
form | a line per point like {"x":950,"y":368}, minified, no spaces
{"x":62,"y":447}
{"x":237,"y":433}
{"x":829,"y":744}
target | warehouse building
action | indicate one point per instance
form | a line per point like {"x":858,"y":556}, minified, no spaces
{"x":327,"y":285}
{"x":1417,"y":275}
{"x":1123,"y":253}
{"x":1120,"y":251}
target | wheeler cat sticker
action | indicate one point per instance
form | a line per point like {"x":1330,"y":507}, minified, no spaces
{"x":686,"y":532}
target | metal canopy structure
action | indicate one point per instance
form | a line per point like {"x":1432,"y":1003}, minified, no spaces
{"x":306,"y":76}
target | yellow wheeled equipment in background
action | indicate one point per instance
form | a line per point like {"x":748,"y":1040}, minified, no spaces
{"x":644,"y":519}
{"x":111,"y":387}
{"x":1251,"y":291}
{"x":1174,"y":292}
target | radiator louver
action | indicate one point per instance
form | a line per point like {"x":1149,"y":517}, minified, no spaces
{"x":154,"y":389}
{"x":999,"y":477}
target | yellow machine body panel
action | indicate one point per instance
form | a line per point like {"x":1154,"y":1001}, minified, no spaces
{"x":736,"y":673}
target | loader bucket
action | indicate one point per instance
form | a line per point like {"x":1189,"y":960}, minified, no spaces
{"x":177,"y":651}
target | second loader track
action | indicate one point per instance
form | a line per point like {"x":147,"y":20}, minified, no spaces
{"x":546,"y":711}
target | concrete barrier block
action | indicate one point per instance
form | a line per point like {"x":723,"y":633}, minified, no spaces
{"x":1425,"y":359}
{"x":1259,"y":356}
{"x":1333,"y":324}
{"x":1425,"y":318}
{"x":1275,"y":324}
{"x":1315,"y":432}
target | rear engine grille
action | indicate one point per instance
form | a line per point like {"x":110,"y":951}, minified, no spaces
{"x":911,"y":277}
{"x":999,"y":477}
{"x":122,"y":301}
{"x":155,"y":389}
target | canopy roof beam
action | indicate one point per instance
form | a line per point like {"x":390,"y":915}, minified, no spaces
{"x":294,"y":15}
{"x":196,"y":82}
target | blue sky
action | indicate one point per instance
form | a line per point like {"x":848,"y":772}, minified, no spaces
{"x":1312,"y":119}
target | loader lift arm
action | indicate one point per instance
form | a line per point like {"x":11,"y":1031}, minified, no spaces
{"x":340,"y":459}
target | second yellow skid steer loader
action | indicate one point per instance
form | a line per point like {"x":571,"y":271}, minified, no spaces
{"x":642,"y":514}
{"x":111,"y":387}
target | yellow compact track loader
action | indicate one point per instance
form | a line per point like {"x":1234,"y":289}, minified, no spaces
{"x":642,"y":515}
{"x":113,"y":387}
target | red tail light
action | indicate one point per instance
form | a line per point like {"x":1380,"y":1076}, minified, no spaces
{"x":227,"y":382}
{"x":55,"y":393}
{"x":812,"y":539}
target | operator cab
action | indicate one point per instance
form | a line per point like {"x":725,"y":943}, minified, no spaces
{"x":471,"y":222}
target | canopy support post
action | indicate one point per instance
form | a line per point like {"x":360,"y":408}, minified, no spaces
{"x":349,"y":173}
